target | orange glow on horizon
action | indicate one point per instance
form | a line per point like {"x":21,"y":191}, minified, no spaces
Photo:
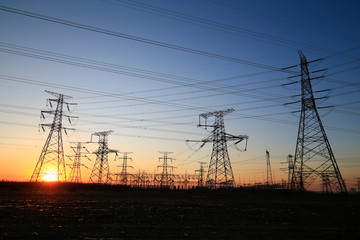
{"x":50,"y":177}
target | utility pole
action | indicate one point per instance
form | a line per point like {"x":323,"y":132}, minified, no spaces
{"x":219,"y":173}
{"x":166,"y":176}
{"x":75,"y":174}
{"x":201,"y":174}
{"x":51,"y":160}
{"x":314,"y":157}
{"x":101,"y":172}
{"x":124,"y":172}
{"x":269,"y":179}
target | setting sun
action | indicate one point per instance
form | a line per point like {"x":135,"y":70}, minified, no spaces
{"x":50,"y":177}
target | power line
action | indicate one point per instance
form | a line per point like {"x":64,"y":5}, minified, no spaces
{"x":219,"y":88}
{"x":239,"y":116}
{"x":227,"y":28}
{"x":139,"y":39}
{"x":280,"y":20}
{"x":117,"y":69}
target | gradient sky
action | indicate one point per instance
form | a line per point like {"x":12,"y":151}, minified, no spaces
{"x":126,"y":76}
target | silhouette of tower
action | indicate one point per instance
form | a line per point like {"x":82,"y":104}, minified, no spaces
{"x":290,"y":169}
{"x":186,"y":180}
{"x":269,"y":179}
{"x":166,"y":176}
{"x":358,"y":184}
{"x":75,"y":174}
{"x":101,"y":172}
{"x":51,"y":160}
{"x":124,"y":172}
{"x":326,"y":185}
{"x":201,"y":174}
{"x":313,"y":155}
{"x":219,"y":173}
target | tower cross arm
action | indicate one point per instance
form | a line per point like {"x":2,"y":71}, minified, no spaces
{"x":203,"y":141}
{"x":238,"y":138}
{"x":57,"y":94}
{"x":104,"y":133}
{"x":108,"y":151}
{"x":215,"y":113}
{"x":47,"y":111}
{"x":113,"y":151}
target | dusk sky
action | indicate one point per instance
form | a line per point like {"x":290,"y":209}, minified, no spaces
{"x":147,"y":69}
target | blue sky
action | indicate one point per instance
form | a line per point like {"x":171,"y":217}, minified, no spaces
{"x":160,"y":91}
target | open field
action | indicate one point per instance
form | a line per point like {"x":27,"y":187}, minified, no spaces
{"x":50,"y":211}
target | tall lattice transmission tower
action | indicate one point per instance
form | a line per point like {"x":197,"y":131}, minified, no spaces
{"x":314,"y":158}
{"x":101,"y":171}
{"x":166,"y":176}
{"x":269,"y":178}
{"x":219,"y":173}
{"x":51,"y":161}
{"x":358,"y":184}
{"x":80,"y":152}
{"x":122,"y":178}
{"x":201,"y":172}
{"x":289,"y":169}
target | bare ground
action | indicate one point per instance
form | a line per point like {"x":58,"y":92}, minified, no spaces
{"x":77,"y":212}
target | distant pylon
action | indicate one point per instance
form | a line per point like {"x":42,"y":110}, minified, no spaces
{"x":219,"y":173}
{"x":358,"y":184}
{"x":51,"y":161}
{"x":124,"y":172}
{"x":101,"y":172}
{"x":290,"y":169}
{"x":75,"y":174}
{"x":166,"y":175}
{"x":269,"y":178}
{"x":201,"y":174}
{"x":326,"y":185}
{"x":313,"y":155}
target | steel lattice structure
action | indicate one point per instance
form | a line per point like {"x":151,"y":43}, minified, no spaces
{"x":314,"y":158}
{"x":101,"y":171}
{"x":166,"y":177}
{"x":201,"y":174}
{"x":290,"y":169}
{"x":51,"y":160}
{"x":124,"y":171}
{"x":219,"y":173}
{"x":358,"y":184}
{"x":75,"y":174}
{"x":269,"y":178}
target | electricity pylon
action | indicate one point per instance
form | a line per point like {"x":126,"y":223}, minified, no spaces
{"x":358,"y":184}
{"x":124,"y":172}
{"x":289,"y":169}
{"x":186,"y":181}
{"x":201,"y":174}
{"x":326,"y":185}
{"x":219,"y":173}
{"x":166,"y":176}
{"x":101,"y":172}
{"x":269,"y":178}
{"x":75,"y":174}
{"x":314,"y":157}
{"x":51,"y":160}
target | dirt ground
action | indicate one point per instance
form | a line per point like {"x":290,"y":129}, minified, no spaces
{"x":53,"y":212}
